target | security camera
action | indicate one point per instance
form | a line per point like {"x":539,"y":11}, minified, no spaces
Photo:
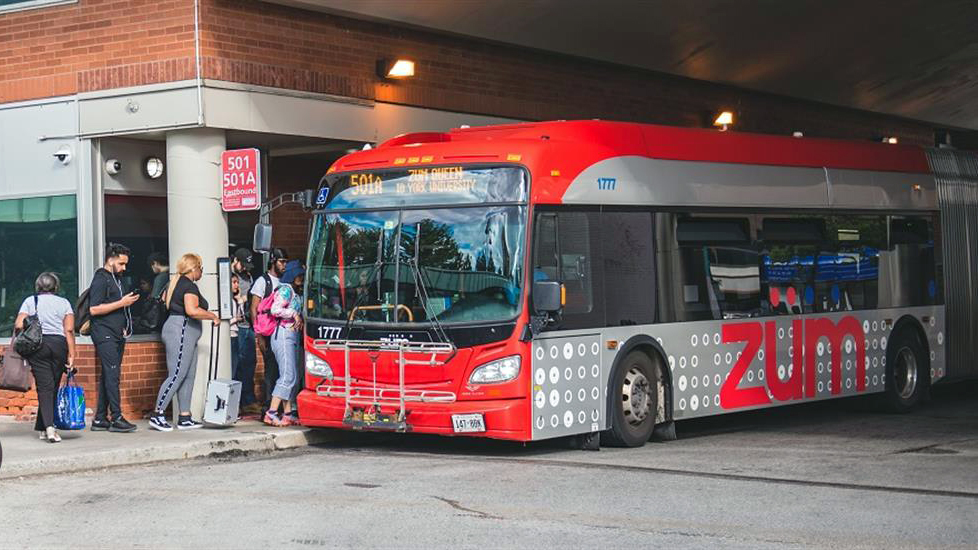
{"x":63,"y":155}
{"x":112,"y":166}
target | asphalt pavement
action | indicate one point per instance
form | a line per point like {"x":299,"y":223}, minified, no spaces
{"x":821,"y":475}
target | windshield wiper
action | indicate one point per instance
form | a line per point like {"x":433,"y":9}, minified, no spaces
{"x":421,"y":289}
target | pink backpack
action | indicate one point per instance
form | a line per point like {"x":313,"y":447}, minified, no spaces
{"x":265,"y":322}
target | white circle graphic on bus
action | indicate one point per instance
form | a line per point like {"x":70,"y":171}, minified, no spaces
{"x":554,"y":421}
{"x":568,"y":396}
{"x":582,"y":417}
{"x":682,"y":404}
{"x":595,"y":415}
{"x":706,"y":380}
{"x":540,"y":354}
{"x":581,"y":349}
{"x":553,"y":352}
{"x":848,"y":345}
{"x":716,"y":359}
{"x":940,"y":338}
{"x":595,"y":371}
{"x":581,"y":395}
{"x":569,"y":373}
{"x":541,"y":400}
{"x":716,"y":338}
{"x":540,"y":422}
{"x":682,"y":383}
{"x":706,"y":339}
{"x":694,"y":402}
{"x":568,"y":419}
{"x":716,"y":380}
{"x":694,"y":381}
{"x":682,"y":362}
{"x":694,"y":340}
{"x":820,"y":349}
{"x":540,"y":376}
{"x":716,"y":400}
{"x":695,"y":361}
{"x":568,"y":350}
{"x":554,"y":375}
{"x":581,"y":372}
{"x":595,"y":348}
{"x":595,"y":393}
{"x":865,"y":326}
{"x":781,"y":333}
{"x":554,"y":398}
{"x":706,"y":401}
{"x":883,"y":341}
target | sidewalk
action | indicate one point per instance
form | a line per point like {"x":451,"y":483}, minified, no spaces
{"x":25,"y":455}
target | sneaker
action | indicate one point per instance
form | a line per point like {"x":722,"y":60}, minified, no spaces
{"x":158,"y":422}
{"x":272,"y":419}
{"x":290,"y":419}
{"x":121,"y":425}
{"x":100,"y":424}
{"x":187,"y":423}
{"x":44,"y":436}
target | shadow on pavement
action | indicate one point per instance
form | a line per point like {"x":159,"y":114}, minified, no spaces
{"x":952,"y":400}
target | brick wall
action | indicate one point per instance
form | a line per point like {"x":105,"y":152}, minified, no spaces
{"x":104,"y":44}
{"x":95,"y":44}
{"x":143,"y":371}
{"x":266,"y":44}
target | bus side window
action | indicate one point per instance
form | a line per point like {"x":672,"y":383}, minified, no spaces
{"x":720,"y":268}
{"x":627,"y":249}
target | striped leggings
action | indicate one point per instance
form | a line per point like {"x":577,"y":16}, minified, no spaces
{"x":180,"y":335}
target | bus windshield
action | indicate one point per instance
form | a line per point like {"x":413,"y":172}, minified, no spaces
{"x":416,"y":265}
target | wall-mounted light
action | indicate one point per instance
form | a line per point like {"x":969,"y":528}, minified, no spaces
{"x":153,"y":167}
{"x":395,"y":68}
{"x":724,"y":119}
{"x":891,"y":140}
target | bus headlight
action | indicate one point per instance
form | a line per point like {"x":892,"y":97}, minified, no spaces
{"x":318,"y":367}
{"x":500,"y":370}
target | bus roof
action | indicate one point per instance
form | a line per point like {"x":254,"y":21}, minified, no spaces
{"x":690,"y":144}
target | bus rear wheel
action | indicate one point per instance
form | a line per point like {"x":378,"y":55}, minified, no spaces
{"x":634,"y":393}
{"x":907,"y":372}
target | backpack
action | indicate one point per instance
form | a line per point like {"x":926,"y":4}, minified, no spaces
{"x":83,"y":314}
{"x":28,"y":340}
{"x":265,"y":323}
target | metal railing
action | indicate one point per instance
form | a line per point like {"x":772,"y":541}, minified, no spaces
{"x":363,"y":402}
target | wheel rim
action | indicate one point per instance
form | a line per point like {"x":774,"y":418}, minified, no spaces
{"x":905,"y":373}
{"x":636,"y":396}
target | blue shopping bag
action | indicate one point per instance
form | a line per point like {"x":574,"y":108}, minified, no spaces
{"x":71,"y":406}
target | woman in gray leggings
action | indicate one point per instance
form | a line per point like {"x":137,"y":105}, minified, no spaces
{"x":180,"y":334}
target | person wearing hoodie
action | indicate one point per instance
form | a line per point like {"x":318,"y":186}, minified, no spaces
{"x":287,"y":310}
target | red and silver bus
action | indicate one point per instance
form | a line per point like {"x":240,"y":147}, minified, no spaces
{"x":550,"y":279}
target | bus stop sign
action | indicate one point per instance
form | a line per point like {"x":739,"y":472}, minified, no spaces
{"x":240,"y":180}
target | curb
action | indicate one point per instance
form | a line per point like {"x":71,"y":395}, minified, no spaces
{"x":238,"y":444}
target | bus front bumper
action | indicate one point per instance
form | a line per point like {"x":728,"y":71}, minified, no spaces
{"x":504,"y":418}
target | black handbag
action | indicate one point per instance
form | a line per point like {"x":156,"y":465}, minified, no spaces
{"x":28,"y":340}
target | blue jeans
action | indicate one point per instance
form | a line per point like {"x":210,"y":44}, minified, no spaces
{"x":284,"y":345}
{"x":243,"y":363}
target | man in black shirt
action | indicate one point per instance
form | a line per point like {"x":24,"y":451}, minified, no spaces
{"x":111,"y":325}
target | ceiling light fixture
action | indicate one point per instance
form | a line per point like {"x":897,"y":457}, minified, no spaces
{"x":395,"y":69}
{"x":724,"y":119}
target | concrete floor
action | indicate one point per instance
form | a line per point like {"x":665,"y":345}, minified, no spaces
{"x":821,"y":475}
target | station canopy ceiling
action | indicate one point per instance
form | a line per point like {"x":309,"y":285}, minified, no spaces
{"x":911,"y":58}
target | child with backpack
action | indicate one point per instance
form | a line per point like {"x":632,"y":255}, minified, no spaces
{"x":279,"y":316}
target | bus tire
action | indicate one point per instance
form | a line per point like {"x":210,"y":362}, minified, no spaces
{"x":907,"y":372}
{"x":634,"y":392}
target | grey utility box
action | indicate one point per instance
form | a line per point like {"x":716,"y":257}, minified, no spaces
{"x":223,"y":397}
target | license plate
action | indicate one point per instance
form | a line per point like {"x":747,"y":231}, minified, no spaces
{"x":462,"y":423}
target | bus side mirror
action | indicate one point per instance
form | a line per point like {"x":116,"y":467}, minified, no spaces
{"x":547,"y":296}
{"x":263,"y":238}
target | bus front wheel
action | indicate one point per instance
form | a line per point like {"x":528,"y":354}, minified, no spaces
{"x":907,"y":372}
{"x":634,"y":401}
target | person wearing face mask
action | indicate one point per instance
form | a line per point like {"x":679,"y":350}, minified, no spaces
{"x":181,"y":331}
{"x":111,"y":324}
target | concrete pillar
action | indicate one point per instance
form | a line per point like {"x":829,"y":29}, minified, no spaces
{"x":197,"y":224}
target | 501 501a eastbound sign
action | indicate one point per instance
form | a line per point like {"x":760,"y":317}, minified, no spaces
{"x":240,"y":180}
